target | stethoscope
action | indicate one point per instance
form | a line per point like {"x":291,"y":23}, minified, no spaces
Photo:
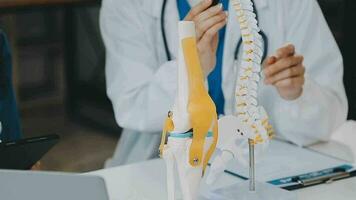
{"x":238,"y":46}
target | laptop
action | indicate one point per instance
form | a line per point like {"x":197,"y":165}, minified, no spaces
{"x":22,"y":185}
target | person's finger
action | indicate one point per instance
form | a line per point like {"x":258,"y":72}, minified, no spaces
{"x":291,"y":82}
{"x":210,"y":12}
{"x":202,"y":27}
{"x":209,"y":34}
{"x":269,"y":61}
{"x":283,"y":64}
{"x":285,"y":51}
{"x":196,"y":10}
{"x":291,"y":72}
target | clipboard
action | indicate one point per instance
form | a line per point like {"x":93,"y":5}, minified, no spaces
{"x":291,"y":167}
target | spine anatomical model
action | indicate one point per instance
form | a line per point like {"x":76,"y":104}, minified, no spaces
{"x":251,"y":121}
{"x":191,"y":127}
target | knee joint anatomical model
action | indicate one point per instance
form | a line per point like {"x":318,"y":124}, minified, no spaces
{"x":251,"y":121}
{"x":191,"y":128}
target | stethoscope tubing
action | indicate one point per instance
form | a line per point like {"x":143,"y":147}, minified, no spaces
{"x":238,"y":46}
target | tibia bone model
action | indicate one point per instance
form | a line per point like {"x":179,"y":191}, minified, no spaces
{"x":251,"y":120}
{"x":191,"y":128}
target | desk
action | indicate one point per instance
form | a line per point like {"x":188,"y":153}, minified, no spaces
{"x":147,"y":181}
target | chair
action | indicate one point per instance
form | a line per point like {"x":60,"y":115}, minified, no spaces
{"x":9,"y":116}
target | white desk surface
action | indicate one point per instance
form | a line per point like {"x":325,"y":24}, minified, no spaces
{"x":146,"y":181}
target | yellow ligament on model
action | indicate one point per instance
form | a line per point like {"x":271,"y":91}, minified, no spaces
{"x":201,"y":107}
{"x":168,"y":127}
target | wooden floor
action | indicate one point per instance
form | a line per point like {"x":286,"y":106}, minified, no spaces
{"x":81,"y":149}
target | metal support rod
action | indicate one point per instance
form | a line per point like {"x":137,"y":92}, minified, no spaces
{"x":252,"y":178}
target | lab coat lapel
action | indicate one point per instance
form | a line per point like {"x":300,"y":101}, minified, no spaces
{"x":261,"y":4}
{"x":152,"y":8}
{"x":171,"y":26}
{"x":171,"y":18}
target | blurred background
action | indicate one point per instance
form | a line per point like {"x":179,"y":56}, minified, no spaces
{"x":59,"y":62}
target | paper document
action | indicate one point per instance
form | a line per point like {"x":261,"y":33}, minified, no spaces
{"x":283,"y":160}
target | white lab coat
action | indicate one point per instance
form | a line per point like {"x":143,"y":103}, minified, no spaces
{"x":142,"y":84}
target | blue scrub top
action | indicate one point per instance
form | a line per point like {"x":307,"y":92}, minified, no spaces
{"x":9,"y":117}
{"x":215,"y":77}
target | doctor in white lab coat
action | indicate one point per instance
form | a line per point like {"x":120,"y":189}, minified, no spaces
{"x":142,"y":84}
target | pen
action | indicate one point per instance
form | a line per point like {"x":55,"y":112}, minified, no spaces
{"x":309,"y":179}
{"x":322,"y":179}
{"x":324,"y":176}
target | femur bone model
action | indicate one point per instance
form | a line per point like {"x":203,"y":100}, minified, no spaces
{"x":191,"y":128}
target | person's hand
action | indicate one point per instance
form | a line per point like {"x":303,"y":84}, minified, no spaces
{"x":36,"y":167}
{"x":208,"y":22}
{"x":286,"y":72}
